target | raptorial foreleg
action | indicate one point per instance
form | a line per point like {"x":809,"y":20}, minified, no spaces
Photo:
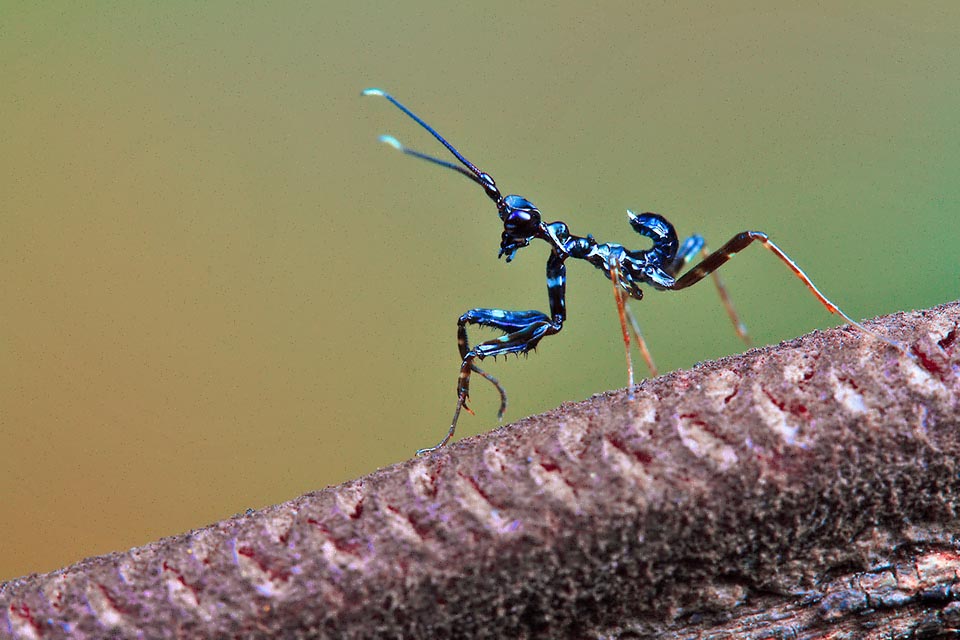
{"x":522,"y":331}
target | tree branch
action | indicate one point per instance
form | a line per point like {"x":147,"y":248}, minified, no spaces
{"x":808,"y":487}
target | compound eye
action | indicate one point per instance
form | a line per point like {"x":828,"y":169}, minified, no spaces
{"x":520,"y":216}
{"x":521,"y":220}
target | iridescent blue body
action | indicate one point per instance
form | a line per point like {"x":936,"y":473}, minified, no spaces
{"x":628,"y":269}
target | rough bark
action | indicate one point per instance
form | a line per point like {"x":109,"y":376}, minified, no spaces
{"x":804,"y":490}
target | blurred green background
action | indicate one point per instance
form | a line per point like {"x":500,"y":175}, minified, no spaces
{"x":219,"y":291}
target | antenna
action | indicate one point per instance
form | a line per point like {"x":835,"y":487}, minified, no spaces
{"x":485,"y":180}
{"x":396,"y":144}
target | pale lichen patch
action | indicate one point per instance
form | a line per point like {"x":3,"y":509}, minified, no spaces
{"x":54,"y":590}
{"x":476,"y":504}
{"x":704,"y":444}
{"x":21,"y":623}
{"x":422,"y":480}
{"x":645,"y":410}
{"x":923,"y":382}
{"x":550,"y":479}
{"x":796,"y":370}
{"x":338,"y":558}
{"x":400,"y":525}
{"x":101,"y":606}
{"x":847,"y":395}
{"x":775,"y":418}
{"x":266,"y":582}
{"x":626,"y":466}
{"x":494,"y":459}
{"x":183,"y":596}
{"x":570,"y":436}
{"x":350,"y":499}
{"x":719,"y":387}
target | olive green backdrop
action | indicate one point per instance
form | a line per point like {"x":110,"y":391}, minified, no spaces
{"x":218,"y":291}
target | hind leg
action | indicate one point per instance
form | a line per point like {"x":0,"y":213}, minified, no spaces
{"x":688,"y":251}
{"x":741,"y":241}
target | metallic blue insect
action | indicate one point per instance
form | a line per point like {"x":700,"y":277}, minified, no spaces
{"x":658,"y":267}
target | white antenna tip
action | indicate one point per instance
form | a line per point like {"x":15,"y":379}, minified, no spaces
{"x":393,"y":142}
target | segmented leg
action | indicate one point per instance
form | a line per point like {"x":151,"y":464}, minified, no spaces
{"x":744,"y":239}
{"x":464,"y":348}
{"x":496,"y":383}
{"x":523,"y":331}
{"x":641,"y":343}
{"x":621,"y":312}
{"x":510,"y":322}
{"x":688,"y":250}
